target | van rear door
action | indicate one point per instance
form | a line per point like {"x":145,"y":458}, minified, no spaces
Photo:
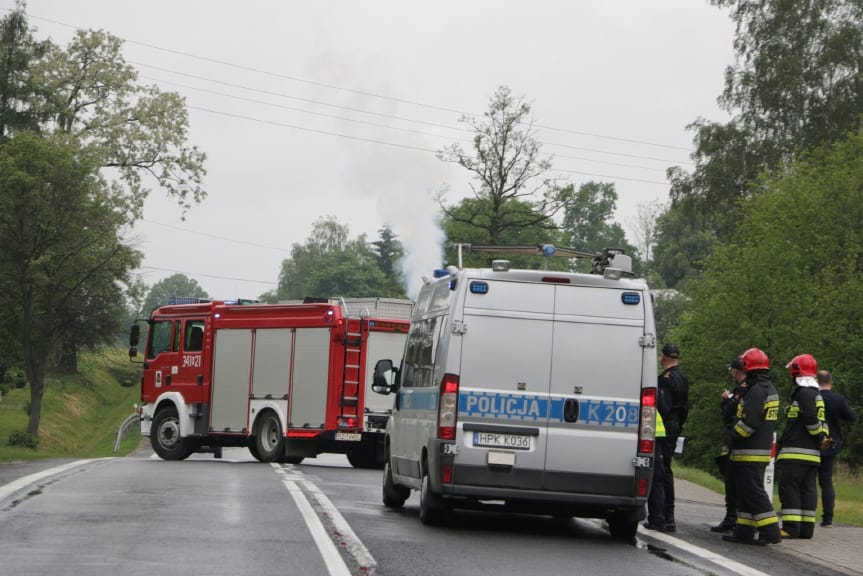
{"x":596,"y":379}
{"x":505,"y":371}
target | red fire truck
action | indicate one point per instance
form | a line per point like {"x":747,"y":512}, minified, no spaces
{"x":289,"y":381}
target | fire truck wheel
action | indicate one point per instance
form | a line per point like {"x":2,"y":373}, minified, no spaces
{"x":394,"y":496}
{"x":291,"y":459}
{"x":253,"y":447}
{"x":270,"y":442}
{"x":431,"y":504}
{"x":165,"y":435}
{"x":361,"y":457}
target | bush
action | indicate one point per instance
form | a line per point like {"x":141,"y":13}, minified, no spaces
{"x":23,"y":440}
{"x":4,"y":389}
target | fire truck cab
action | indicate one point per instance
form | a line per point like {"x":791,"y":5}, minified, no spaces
{"x":287,"y":381}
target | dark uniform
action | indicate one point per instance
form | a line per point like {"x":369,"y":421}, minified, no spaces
{"x":728,"y":408}
{"x":798,"y":460}
{"x":675,"y":386}
{"x":836,"y":409}
{"x":751,"y":451}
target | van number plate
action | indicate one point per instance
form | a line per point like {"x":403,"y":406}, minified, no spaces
{"x":495,"y":440}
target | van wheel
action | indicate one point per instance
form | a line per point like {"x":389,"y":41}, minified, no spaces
{"x":622,"y":527}
{"x":394,"y":495}
{"x":165,"y":435}
{"x":431,"y":504}
{"x":270,"y":442}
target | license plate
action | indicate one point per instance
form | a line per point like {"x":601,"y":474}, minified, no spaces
{"x":349,"y":436}
{"x":496,"y":440}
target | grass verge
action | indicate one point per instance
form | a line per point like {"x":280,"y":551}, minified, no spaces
{"x":849,"y":492}
{"x":80,"y":412}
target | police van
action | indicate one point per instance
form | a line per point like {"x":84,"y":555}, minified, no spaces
{"x":526,"y":390}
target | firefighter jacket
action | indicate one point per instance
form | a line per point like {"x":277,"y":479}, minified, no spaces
{"x":757,"y":413}
{"x":674,"y":383}
{"x":804,"y":424}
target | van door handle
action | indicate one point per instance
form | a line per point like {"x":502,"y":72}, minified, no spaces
{"x":570,"y":410}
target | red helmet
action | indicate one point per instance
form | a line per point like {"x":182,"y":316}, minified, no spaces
{"x":755,"y":359}
{"x":802,"y":365}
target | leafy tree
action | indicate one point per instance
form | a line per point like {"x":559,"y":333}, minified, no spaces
{"x":389,"y":251}
{"x":86,"y":105}
{"x":506,"y":168}
{"x":170,"y":287}
{"x":797,"y":83}
{"x":478,"y":210}
{"x":329,"y":264}
{"x":18,"y":51}
{"x":588,"y":221}
{"x":790,"y":281}
{"x":61,"y":250}
{"x":645,"y":226}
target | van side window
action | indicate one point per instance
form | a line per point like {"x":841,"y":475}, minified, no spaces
{"x":193,"y":340}
{"x":419,"y":355}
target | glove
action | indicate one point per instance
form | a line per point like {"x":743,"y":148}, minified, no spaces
{"x":826,"y":443}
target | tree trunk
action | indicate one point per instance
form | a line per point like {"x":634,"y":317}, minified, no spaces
{"x":36,"y":376}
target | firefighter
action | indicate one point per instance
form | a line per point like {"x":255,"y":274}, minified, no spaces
{"x":804,"y":437}
{"x":674,"y":384}
{"x":751,"y":448}
{"x":728,"y":409}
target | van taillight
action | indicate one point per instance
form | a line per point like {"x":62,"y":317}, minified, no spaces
{"x":448,"y":409}
{"x":647,"y":429}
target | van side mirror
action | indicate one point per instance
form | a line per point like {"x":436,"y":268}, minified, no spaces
{"x":384,"y":379}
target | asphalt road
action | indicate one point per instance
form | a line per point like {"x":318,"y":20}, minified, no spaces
{"x":142,"y":515}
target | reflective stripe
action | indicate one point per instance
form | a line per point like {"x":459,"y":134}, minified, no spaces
{"x":746,"y":521}
{"x":767,"y":521}
{"x":742,"y":429}
{"x":749,"y":458}
{"x":801,"y":454}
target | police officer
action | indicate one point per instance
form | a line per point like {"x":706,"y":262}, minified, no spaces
{"x":656,"y":498}
{"x":751,"y":447}
{"x":728,"y":409}
{"x":800,"y":450}
{"x":674,"y":384}
{"x":836,"y":410}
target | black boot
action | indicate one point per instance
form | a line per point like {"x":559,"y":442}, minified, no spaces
{"x":726,"y":525}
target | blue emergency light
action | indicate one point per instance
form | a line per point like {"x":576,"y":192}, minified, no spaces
{"x":548,"y":250}
{"x":631,"y":298}
{"x":477,"y":287}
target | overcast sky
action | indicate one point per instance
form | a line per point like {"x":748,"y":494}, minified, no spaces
{"x":315,"y":108}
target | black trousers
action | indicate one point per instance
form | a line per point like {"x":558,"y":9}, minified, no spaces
{"x":656,"y":498}
{"x":723,"y":461}
{"x":668,"y":446}
{"x":798,"y":493}
{"x":754,"y":508}
{"x":825,"y":480}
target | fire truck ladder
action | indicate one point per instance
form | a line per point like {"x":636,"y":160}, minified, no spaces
{"x":350,"y":398}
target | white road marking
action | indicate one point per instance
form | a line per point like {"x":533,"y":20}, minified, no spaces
{"x":719,"y":559}
{"x":354,"y":545}
{"x":295,"y":481}
{"x":21,"y":483}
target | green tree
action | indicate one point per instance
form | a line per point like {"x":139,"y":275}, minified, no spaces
{"x":389,"y":251}
{"x":59,"y":228}
{"x":478,"y":211}
{"x":797,"y":83}
{"x":18,"y":52}
{"x":176,"y":285}
{"x":506,"y":168}
{"x":329,"y":264}
{"x":588,"y":221}
{"x":86,"y":104}
{"x":789,"y":282}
